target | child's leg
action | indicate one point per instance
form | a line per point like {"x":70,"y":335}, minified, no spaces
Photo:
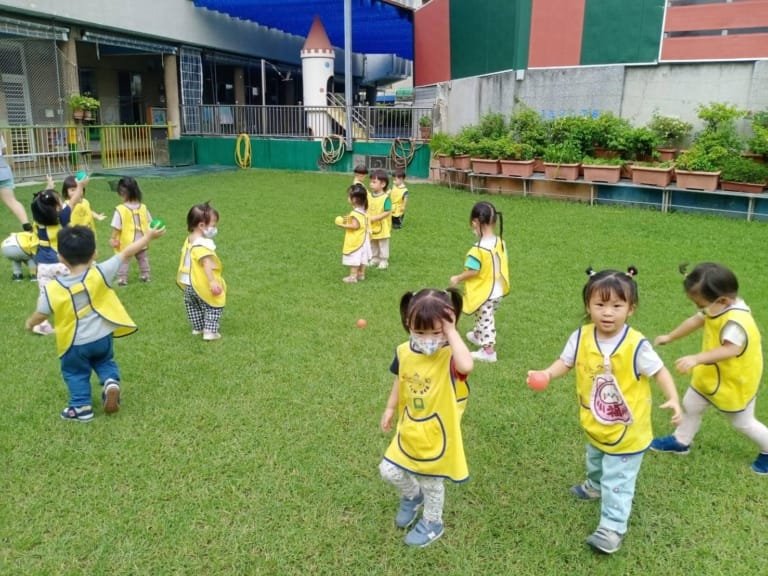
{"x":485,"y":324}
{"x":617,"y":483}
{"x":434,"y":498}
{"x":76,"y":370}
{"x":693,"y":409}
{"x":143,"y":259}
{"x":194,"y":310}
{"x":361,"y":272}
{"x":383,"y":253}
{"x":122,"y":273}
{"x":374,"y":252}
{"x":16,"y":269}
{"x":211,"y":319}
{"x":746,"y":423}
{"x":103,"y":359}
{"x":405,"y":483}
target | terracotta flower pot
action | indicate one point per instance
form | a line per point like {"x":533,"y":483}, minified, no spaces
{"x":742,"y":187}
{"x":651,"y":176}
{"x":445,"y":160}
{"x":517,"y":168}
{"x":485,"y":166}
{"x":561,"y":171}
{"x":462,"y":162}
{"x":602,"y":173}
{"x":691,"y":180}
{"x":667,"y":154}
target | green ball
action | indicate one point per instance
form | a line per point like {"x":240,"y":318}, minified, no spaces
{"x":157,"y":223}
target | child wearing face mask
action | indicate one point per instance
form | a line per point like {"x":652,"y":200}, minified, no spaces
{"x":199,"y":274}
{"x":428,"y":398}
{"x":485,"y":278}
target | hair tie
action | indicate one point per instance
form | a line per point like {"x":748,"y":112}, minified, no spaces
{"x":631,"y":271}
{"x":682,"y":268}
{"x":589,"y":271}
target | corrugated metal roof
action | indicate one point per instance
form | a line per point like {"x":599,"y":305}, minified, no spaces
{"x":378,"y":26}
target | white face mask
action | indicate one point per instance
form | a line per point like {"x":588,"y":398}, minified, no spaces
{"x":427,"y":345}
{"x":210,"y":232}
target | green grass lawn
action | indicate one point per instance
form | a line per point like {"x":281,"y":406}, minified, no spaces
{"x":258,"y":454}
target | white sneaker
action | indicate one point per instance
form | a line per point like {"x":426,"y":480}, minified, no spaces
{"x":472,"y":338}
{"x":208,"y":336}
{"x":383,"y":265}
{"x":196,"y":332}
{"x":483,"y":356}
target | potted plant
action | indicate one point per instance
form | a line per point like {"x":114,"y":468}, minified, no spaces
{"x":484,"y":156}
{"x":526,"y":126}
{"x":441,"y":145}
{"x":78,"y":105}
{"x":462,"y":144}
{"x":741,"y":174}
{"x":516,"y":159}
{"x":602,"y":169}
{"x":698,"y":168}
{"x":425,"y":127}
{"x":652,"y":173}
{"x":671,"y":132}
{"x":758,"y":143}
{"x":562,"y":161}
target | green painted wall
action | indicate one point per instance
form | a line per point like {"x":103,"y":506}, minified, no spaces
{"x":490,"y":38}
{"x":619,"y":31}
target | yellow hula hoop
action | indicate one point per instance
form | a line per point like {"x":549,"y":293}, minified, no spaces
{"x":243,"y":151}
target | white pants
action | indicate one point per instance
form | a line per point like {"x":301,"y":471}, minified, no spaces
{"x":410,"y":485}
{"x":745,"y":422}
{"x":380,"y":250}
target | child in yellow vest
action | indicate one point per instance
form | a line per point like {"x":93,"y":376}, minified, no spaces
{"x":199,"y":274}
{"x":359,"y":175}
{"x":77,"y":210}
{"x":427,"y":399}
{"x":129,"y":223}
{"x":20,"y":248}
{"x":356,"y":251}
{"x":485,"y":278}
{"x":88,"y":315}
{"x":726,"y":373}
{"x":380,"y":218}
{"x":399,"y":195}
{"x":613,"y":365}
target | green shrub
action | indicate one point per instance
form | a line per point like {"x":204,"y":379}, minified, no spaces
{"x":509,"y":150}
{"x":701,"y":159}
{"x":492,"y":125}
{"x":759,"y":141}
{"x":640,"y":142}
{"x":563,"y":153}
{"x":441,"y":143}
{"x":670,"y":132}
{"x":528,"y":127}
{"x":740,"y":169}
{"x":592,"y":161}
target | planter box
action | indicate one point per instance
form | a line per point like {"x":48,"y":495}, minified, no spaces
{"x":626,"y":170}
{"x":667,"y":154}
{"x":517,"y":168}
{"x":538,"y":165}
{"x":651,"y":176}
{"x":445,"y":160}
{"x":485,"y":166}
{"x":602,"y":173}
{"x":691,"y":180}
{"x":462,"y":162}
{"x":742,"y":187}
{"x":561,"y":171}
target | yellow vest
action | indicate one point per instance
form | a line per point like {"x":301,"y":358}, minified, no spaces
{"x":616,"y":438}
{"x":53,"y":236}
{"x":354,"y":239}
{"x":730,"y":384}
{"x":196,"y":272}
{"x":479,"y":287}
{"x":82,"y":215}
{"x":129,"y":229}
{"x":103,"y":301}
{"x":430,"y":405}
{"x":397,"y":194}
{"x":382,"y":228}
{"x":27,"y":241}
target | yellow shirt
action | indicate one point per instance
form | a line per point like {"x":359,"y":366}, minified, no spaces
{"x":479,"y":287}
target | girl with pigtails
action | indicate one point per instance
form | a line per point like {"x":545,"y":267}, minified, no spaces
{"x":613,"y":364}
{"x":427,"y":400}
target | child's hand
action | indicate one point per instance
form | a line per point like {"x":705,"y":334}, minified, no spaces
{"x":216,"y":288}
{"x":448,"y":321}
{"x":661,"y":340}
{"x":339,"y":221}
{"x":99,"y":215}
{"x":677,"y":411}
{"x":155,"y":233}
{"x":49,"y":184}
{"x":386,"y":419}
{"x":454,"y":281}
{"x":686,"y":364}
{"x":115,"y":243}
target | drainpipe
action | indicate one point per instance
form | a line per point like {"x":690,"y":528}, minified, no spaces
{"x":348,"y":68}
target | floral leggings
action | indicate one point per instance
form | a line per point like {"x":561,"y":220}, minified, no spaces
{"x":411,"y":485}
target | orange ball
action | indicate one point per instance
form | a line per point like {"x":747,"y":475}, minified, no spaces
{"x":537,"y":381}
{"x":362,"y":323}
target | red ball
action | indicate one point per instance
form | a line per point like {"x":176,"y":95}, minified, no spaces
{"x":362,"y":323}
{"x":537,"y":381}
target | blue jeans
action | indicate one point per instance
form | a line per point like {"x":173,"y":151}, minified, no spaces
{"x":615,"y":477}
{"x":79,"y":361}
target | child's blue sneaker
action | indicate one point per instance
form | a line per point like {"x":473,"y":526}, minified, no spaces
{"x":81,"y":413}
{"x":110,"y":396}
{"x":424,"y":533}
{"x":585,"y":492}
{"x":760,"y":465}
{"x":409,"y":509}
{"x":669,"y":444}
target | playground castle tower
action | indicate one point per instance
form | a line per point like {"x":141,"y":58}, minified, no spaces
{"x":317,"y":57}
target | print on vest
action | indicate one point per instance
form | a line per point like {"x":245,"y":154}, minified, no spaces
{"x":607,"y":402}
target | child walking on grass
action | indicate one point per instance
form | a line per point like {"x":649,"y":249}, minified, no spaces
{"x":380,"y":218}
{"x":428,"y":398}
{"x":88,"y":315}
{"x":399,"y":196}
{"x":613,"y":365}
{"x":356,"y":251}
{"x":77,"y":210}
{"x":199,"y":275}
{"x":129,"y":223}
{"x":485,"y":277}
{"x":726,"y":373}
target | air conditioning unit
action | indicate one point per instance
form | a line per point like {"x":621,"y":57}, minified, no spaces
{"x":379,"y":163}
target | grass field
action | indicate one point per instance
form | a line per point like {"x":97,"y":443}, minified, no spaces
{"x":258,"y":454}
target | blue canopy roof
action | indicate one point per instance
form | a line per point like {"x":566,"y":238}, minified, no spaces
{"x":378,"y":27}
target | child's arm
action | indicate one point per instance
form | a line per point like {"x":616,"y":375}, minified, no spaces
{"x":728,"y":350}
{"x":459,"y":278}
{"x":389,"y":411}
{"x":380,"y":216}
{"x":137,"y":245}
{"x":345,"y":222}
{"x":208,"y":267}
{"x":98,"y":215}
{"x":693,"y":323}
{"x":35,"y":319}
{"x":667,"y":386}
{"x":557,"y":369}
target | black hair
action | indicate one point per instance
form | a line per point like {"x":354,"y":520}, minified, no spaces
{"x":358,"y":195}
{"x":77,"y":244}
{"x":361,"y":169}
{"x":711,"y":281}
{"x":608,"y":282}
{"x":420,"y":310}
{"x":400,"y":173}
{"x":128,"y":189}
{"x":69,"y":182}
{"x":382,"y":176}
{"x":201,"y":213}
{"x":45,"y":207}
{"x":486,"y":213}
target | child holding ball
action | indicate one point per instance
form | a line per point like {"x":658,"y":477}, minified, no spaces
{"x":199,"y":274}
{"x":356,"y":251}
{"x":428,"y":398}
{"x":614,"y":364}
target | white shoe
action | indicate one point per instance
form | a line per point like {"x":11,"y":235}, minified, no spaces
{"x":483,"y":356}
{"x":472,"y":338}
{"x":196,"y":332}
{"x":208,"y":336}
{"x":383,"y":265}
{"x":373,"y":262}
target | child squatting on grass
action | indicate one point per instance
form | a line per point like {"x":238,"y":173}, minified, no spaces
{"x":485,"y":277}
{"x":726,"y":373}
{"x":613,"y":365}
{"x":429,"y":396}
{"x":199,"y":273}
{"x":356,"y":251}
{"x":88,"y":314}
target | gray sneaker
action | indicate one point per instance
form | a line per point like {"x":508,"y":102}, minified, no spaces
{"x":605,"y":541}
{"x":585,"y":492}
{"x":408,"y":511}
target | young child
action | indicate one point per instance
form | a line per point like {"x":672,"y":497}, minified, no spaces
{"x":357,"y":245}
{"x":359,"y":175}
{"x":77,"y":210}
{"x":199,"y":274}
{"x":726,"y":373}
{"x":88,"y":314}
{"x":20,"y":249}
{"x":485,"y":277}
{"x":399,"y":195}
{"x":613,"y":365}
{"x":130,"y":222}
{"x":380,"y":218}
{"x":429,"y":396}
